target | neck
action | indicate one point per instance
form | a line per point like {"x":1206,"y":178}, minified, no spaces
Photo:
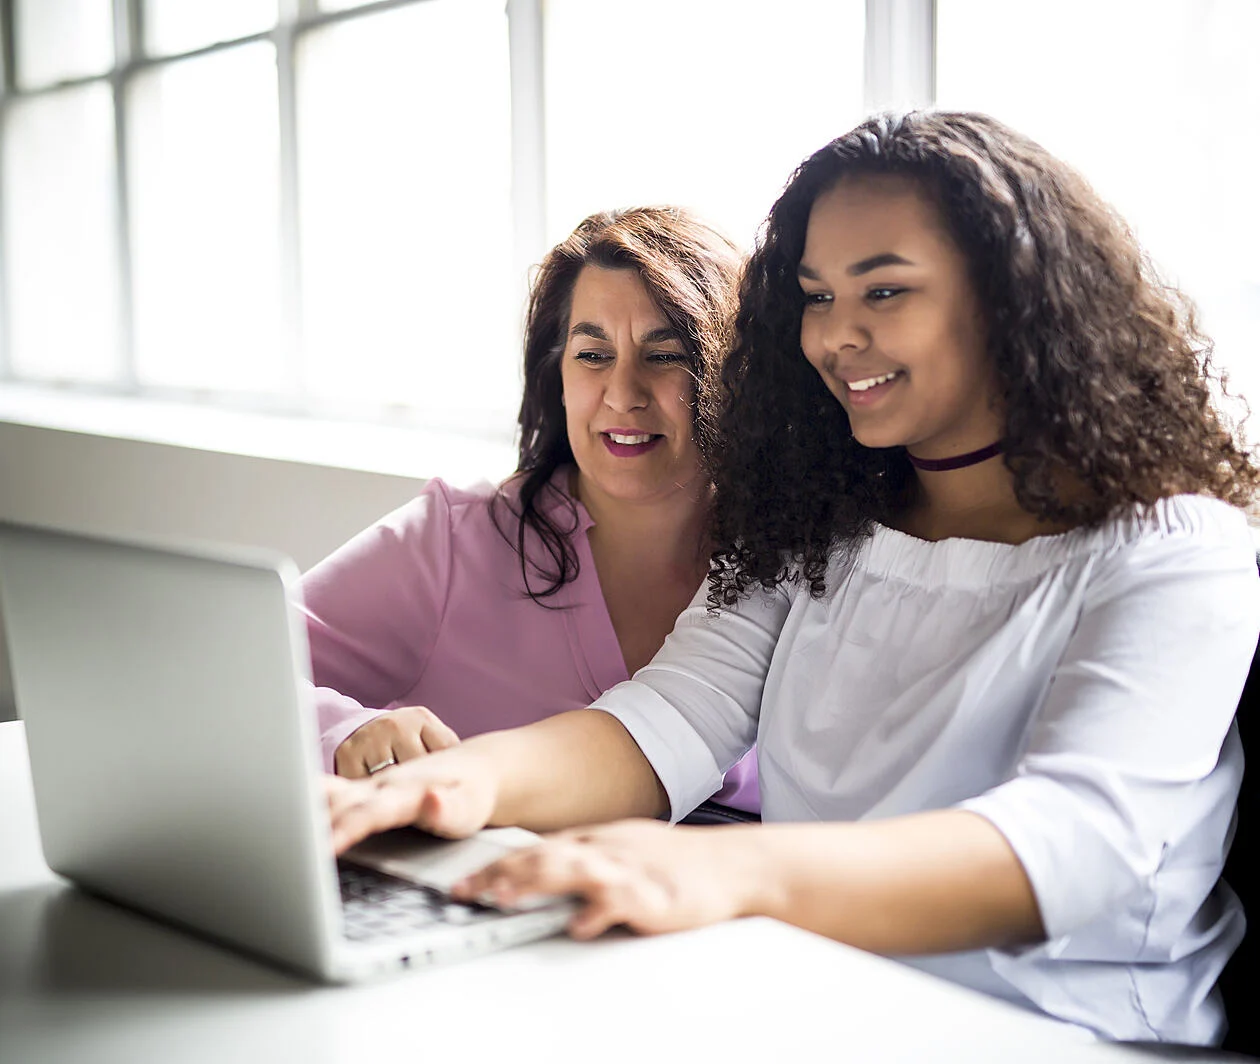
{"x":668,"y":530}
{"x":976,"y":501}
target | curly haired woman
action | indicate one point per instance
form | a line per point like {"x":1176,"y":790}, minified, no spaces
{"x":984,"y":598}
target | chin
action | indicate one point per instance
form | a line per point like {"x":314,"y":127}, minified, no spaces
{"x":877,"y":440}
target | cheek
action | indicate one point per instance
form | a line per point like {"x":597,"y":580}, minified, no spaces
{"x":809,"y":342}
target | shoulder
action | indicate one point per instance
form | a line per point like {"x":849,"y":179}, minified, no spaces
{"x":1182,"y":529}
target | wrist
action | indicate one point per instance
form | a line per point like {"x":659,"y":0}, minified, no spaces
{"x":756,"y":879}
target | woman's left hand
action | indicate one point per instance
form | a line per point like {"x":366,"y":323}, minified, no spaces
{"x":641,"y":873}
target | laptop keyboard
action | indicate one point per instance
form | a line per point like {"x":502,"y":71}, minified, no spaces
{"x":375,"y":905}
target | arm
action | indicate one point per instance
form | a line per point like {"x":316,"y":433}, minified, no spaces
{"x":1118,"y":782}
{"x":579,"y":767}
{"x":373,"y":610}
{"x":927,"y":883}
{"x":640,"y":758}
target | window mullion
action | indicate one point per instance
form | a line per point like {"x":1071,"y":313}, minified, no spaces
{"x":529,"y":178}
{"x":128,"y":52}
{"x":6,"y":89}
{"x":900,"y":54}
{"x":286,"y":37}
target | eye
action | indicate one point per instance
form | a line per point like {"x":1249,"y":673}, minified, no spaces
{"x":669,"y":358}
{"x":883,"y":293}
{"x":593,"y":358}
{"x":816,"y":299}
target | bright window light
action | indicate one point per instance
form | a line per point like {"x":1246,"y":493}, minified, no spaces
{"x":172,"y":26}
{"x":1157,"y":112}
{"x":56,"y":40}
{"x":406,"y":234}
{"x":204,"y":173}
{"x":60,"y":232}
{"x":709,"y":104}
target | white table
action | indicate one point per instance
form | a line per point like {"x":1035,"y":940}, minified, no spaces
{"x":82,"y":980}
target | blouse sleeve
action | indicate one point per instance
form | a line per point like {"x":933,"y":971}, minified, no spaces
{"x":1114,"y":769}
{"x":693,"y":709}
{"x":373,"y":611}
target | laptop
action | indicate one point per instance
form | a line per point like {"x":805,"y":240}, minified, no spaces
{"x":169,"y":718}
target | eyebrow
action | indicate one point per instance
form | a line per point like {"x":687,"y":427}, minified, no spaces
{"x":652,"y":336}
{"x":887,"y":258}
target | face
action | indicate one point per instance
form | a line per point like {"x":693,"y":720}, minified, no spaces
{"x":628,"y":392}
{"x":891,"y":323}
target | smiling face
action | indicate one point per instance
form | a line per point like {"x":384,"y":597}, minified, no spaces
{"x":628,"y":392}
{"x":891,"y":322}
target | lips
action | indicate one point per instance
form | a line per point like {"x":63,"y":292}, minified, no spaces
{"x":867,"y":390}
{"x":629,"y":443}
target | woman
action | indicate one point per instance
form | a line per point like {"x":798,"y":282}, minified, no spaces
{"x":983,"y":598}
{"x":470,"y":611}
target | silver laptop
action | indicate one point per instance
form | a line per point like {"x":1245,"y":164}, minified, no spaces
{"x":169,"y":719}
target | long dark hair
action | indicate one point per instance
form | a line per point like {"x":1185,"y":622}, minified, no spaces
{"x":1104,"y":375}
{"x":691,"y":272}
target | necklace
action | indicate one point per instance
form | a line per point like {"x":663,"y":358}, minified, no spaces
{"x":943,"y":465}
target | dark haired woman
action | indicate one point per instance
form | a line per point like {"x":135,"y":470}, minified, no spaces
{"x":470,"y":611}
{"x":983,"y":596}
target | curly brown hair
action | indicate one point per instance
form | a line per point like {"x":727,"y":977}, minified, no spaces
{"x":691,"y":272}
{"x":1105,"y":378}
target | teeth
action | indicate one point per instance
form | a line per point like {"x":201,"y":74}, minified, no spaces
{"x":870,"y":382}
{"x":616,"y":437}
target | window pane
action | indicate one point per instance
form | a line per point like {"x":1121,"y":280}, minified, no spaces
{"x":181,"y":25}
{"x":204,"y":175}
{"x":404,"y":147}
{"x":60,"y":235}
{"x":700,"y":103}
{"x":1155,"y":114}
{"x":61,"y":39}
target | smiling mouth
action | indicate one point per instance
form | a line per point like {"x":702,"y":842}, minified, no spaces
{"x":872,"y":382}
{"x":630,"y":444}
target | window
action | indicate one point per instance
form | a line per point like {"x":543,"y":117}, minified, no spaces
{"x":1155,"y":102}
{"x":331,"y":206}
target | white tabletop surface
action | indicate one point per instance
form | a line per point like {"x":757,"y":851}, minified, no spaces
{"x":84,"y":981}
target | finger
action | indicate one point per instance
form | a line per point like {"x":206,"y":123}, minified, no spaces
{"x":368,"y":808}
{"x":438,"y":735}
{"x":407,"y":744}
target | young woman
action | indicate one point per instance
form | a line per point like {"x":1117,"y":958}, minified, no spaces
{"x":983,"y":596}
{"x":469,"y":611}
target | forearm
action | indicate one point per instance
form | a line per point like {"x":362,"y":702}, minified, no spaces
{"x":928,"y":883}
{"x":580,"y":767}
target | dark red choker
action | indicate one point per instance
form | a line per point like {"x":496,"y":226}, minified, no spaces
{"x":943,"y":465}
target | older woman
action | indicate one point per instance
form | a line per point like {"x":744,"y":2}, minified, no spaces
{"x":469,"y":611}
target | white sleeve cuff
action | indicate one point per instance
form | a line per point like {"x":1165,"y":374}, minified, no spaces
{"x":679,"y":757}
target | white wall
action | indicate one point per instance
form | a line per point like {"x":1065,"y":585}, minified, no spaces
{"x":78,"y":480}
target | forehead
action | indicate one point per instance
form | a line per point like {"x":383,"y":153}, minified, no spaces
{"x":864,"y":216}
{"x":604,"y":296}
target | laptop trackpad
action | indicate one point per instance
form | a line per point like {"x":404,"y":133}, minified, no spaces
{"x":432,"y":862}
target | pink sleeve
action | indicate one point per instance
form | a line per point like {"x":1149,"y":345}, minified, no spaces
{"x":373,"y":610}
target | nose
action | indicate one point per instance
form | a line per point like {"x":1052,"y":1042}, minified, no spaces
{"x":626,"y":387}
{"x":843,"y":330}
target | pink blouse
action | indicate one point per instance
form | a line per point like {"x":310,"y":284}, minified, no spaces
{"x":427,"y":607}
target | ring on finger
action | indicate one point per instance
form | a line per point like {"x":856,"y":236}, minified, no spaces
{"x":373,"y":769}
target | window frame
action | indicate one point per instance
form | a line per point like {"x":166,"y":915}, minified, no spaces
{"x":899,"y":71}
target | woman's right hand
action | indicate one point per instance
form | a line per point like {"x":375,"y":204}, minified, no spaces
{"x":451,"y":794}
{"x":393,"y":737}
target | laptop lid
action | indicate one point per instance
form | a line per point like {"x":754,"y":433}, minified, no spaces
{"x":172,"y":751}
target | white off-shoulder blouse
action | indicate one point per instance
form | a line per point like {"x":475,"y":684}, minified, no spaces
{"x":1076,"y":690}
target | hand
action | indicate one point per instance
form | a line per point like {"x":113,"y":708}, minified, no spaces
{"x":452,"y":794}
{"x":400,"y":735}
{"x":641,"y":873}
